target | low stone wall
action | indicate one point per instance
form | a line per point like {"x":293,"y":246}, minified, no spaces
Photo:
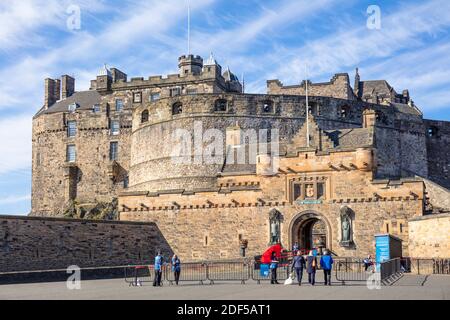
{"x":32,"y":243}
{"x":429,"y":236}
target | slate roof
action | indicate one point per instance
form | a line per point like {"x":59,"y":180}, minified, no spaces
{"x":350,"y":138}
{"x":85,"y":100}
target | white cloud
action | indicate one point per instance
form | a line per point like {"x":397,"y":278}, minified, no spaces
{"x":15,"y":133}
{"x":14,"y":199}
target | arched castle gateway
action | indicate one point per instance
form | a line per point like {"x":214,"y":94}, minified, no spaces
{"x":167,"y":150}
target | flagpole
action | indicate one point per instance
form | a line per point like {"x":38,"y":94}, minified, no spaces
{"x":189,"y":28}
{"x":307,"y":108}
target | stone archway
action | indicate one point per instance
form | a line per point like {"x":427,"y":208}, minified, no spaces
{"x":309,"y":228}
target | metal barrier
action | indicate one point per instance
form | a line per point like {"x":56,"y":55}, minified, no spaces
{"x":136,"y":275}
{"x":283,"y":272}
{"x":425,"y":266}
{"x":228,"y":271}
{"x":197,"y":271}
{"x":351,"y":270}
{"x":389,"y":269}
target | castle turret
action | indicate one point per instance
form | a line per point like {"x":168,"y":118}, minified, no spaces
{"x":104,"y":79}
{"x":190,"y":65}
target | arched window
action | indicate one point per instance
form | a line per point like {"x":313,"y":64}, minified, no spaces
{"x":144,"y":116}
{"x":344,"y":112}
{"x":268,"y":106}
{"x":177,"y":108}
{"x":221,"y":105}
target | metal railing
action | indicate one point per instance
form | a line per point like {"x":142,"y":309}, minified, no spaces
{"x":352,"y":270}
{"x":420,"y":266}
{"x":228,"y":271}
{"x":197,"y":272}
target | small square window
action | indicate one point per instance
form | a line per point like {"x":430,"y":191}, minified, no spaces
{"x":175,"y":92}
{"x":137,"y":97}
{"x":96,"y":108}
{"x":71,"y":153}
{"x":119,"y":105}
{"x":154,"y":97}
{"x":71,"y":129}
{"x":115,"y":127}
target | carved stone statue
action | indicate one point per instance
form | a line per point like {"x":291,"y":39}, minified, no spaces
{"x":346,"y":226}
{"x":275,"y":220}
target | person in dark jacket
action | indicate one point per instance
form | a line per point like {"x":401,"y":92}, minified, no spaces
{"x":176,"y":268}
{"x":311,"y":265}
{"x":273,"y":268}
{"x":298,"y":263}
{"x":158,"y":270}
{"x":326,"y":263}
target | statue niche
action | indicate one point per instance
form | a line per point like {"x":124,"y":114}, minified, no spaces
{"x":275,"y":218}
{"x":347,"y":215}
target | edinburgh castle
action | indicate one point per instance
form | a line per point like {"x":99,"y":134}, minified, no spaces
{"x":357,"y":160}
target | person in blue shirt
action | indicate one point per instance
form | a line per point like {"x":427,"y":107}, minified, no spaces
{"x":176,"y":268}
{"x":158,"y":270}
{"x":273,"y":268}
{"x":326,"y":263}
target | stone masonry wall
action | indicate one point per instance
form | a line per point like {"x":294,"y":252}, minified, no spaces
{"x":31,"y":243}
{"x":430,"y":236}
{"x":438,"y":148}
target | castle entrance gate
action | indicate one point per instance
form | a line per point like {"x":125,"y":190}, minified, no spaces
{"x":310,"y":230}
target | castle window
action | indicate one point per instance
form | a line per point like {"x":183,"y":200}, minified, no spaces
{"x":71,"y":155}
{"x":175,"y":92}
{"x":297,"y":191}
{"x":144,"y":116}
{"x":314,"y":108}
{"x":154,"y":97}
{"x":220,"y":105}
{"x":72,"y":107}
{"x":191,"y":92}
{"x":320,"y":190}
{"x":38,"y":159}
{"x":344,"y":112}
{"x":268,"y":106}
{"x":432,"y":131}
{"x":71,"y":129}
{"x":119,"y":105}
{"x":96,"y":108}
{"x":115,"y":127}
{"x":126,"y":181}
{"x":113,"y":151}
{"x":177,"y":108}
{"x":137,"y":97}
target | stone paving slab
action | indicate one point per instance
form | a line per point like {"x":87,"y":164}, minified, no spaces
{"x":409,"y":287}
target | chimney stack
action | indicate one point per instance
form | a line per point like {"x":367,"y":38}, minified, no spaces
{"x":68,"y":86}
{"x":52,"y":92}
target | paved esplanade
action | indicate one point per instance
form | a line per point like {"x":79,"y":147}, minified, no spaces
{"x":408,"y":287}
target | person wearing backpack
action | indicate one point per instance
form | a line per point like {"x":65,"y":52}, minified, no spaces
{"x":298,"y":263}
{"x":273,"y":268}
{"x":326,"y":263}
{"x":311,"y":265}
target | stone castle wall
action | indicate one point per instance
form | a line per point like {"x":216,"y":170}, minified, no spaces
{"x":438,"y":148}
{"x":338,"y":87}
{"x":430,"y":236}
{"x":96,"y":178}
{"x":31,"y":243}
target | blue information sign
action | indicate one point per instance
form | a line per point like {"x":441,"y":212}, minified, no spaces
{"x":382,"y":249}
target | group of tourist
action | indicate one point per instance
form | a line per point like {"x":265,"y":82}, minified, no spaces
{"x":299,"y":263}
{"x":159,"y":262}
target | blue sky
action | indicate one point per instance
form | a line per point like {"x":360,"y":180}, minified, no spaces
{"x":263,"y":39}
